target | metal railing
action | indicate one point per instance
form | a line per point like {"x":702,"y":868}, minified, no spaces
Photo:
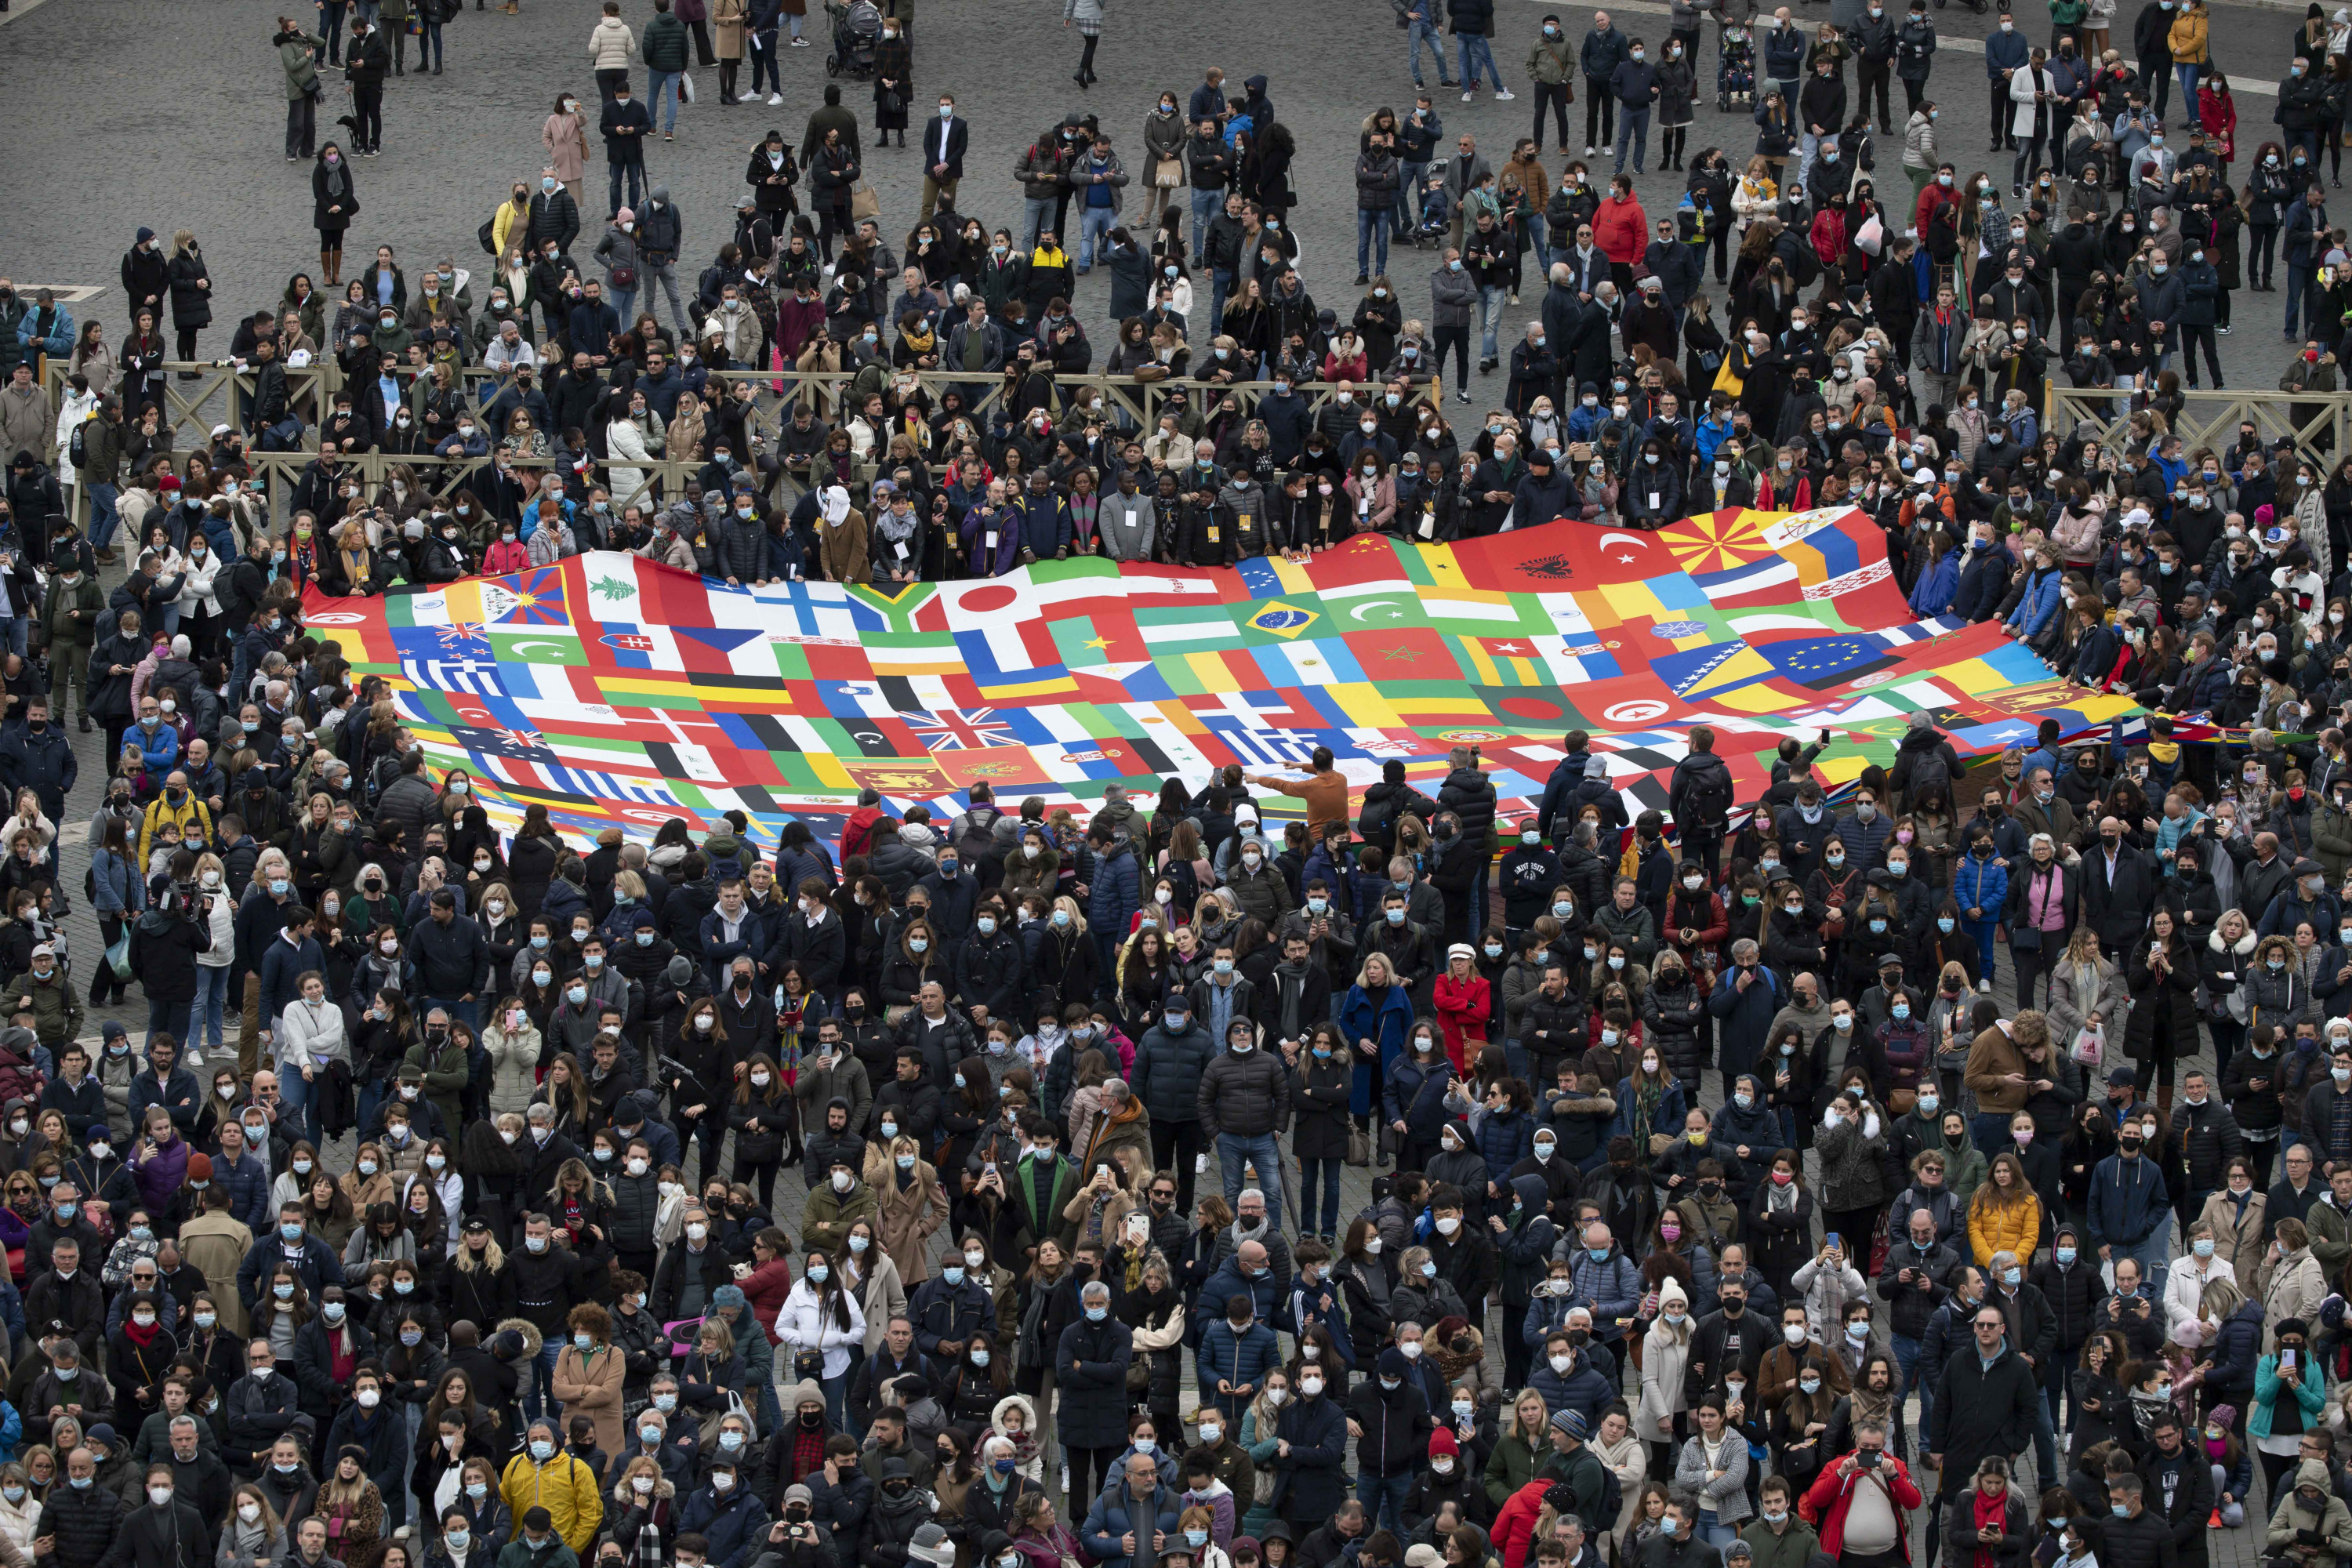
{"x":219,"y":393}
{"x":2318,"y":423}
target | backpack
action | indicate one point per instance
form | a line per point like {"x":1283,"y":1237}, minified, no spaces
{"x":1183,"y":882}
{"x":75,"y":449}
{"x":1709,"y":802}
{"x":978,"y":837}
{"x":1612,"y":1497}
{"x":487,"y":234}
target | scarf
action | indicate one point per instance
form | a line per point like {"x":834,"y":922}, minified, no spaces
{"x":1989,"y":1510}
{"x":141,"y":1336}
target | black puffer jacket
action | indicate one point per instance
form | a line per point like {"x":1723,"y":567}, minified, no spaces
{"x":84,"y":1520}
{"x":1470,"y":795}
{"x":1671,"y":1015}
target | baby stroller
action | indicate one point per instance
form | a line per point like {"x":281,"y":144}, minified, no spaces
{"x":856,"y":26}
{"x":1436,"y":210}
{"x":1735,"y":71}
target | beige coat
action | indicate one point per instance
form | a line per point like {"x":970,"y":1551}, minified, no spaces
{"x":611,"y":46}
{"x":215,"y":1246}
{"x":2296,"y":1288}
{"x":591,"y":1385}
{"x":565,"y":137}
{"x":908,"y":1219}
{"x":844,"y":550}
{"x":727,"y":17}
{"x":2239,"y":1243}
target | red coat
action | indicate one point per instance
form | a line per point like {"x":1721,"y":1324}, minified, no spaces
{"x":764,"y":1289}
{"x":1622,"y":230}
{"x":1824,"y":1503}
{"x":1932,"y":197}
{"x":1464,"y":1007}
{"x":2219,"y":117}
{"x":1514,"y":1526}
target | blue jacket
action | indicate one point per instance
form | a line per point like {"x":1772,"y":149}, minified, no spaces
{"x":1504,"y":1141}
{"x":1932,"y":594}
{"x":1313,"y":1476}
{"x":1045,"y":525}
{"x":1115,"y":1513}
{"x":158,"y":748}
{"x":1672,"y":1108}
{"x":1388,"y":1027}
{"x":1583,"y":1389}
{"x":248,"y":1191}
{"x":2040,"y":602}
{"x":1416,"y":1097}
{"x":119,"y":890}
{"x":2004,"y":52}
{"x":2126,"y":1205}
{"x":1979,"y":884}
{"x":1221,"y":1358}
{"x":1266,"y":1294}
{"x":736,"y":1529}
{"x":1612,"y":1287}
{"x":1984,"y":583}
{"x":1117,"y":891}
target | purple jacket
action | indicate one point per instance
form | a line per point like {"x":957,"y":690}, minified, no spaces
{"x":164,"y":1175}
{"x":977,"y":523}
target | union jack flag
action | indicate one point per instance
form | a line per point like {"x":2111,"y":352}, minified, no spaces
{"x":462,"y":637}
{"x":958,"y":729}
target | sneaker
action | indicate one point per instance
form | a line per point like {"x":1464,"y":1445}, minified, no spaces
{"x":1461,"y":397}
{"x":1502,"y":95}
{"x":775,"y":99}
{"x":1984,"y":987}
{"x":1588,"y":149}
{"x":2224,"y":328}
{"x":2214,"y":1522}
{"x":803,"y":44}
{"x":1468,"y":94}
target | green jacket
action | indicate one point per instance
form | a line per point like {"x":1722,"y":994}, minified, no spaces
{"x":1511,"y":1466}
{"x":302,"y":67}
{"x":517,"y":1553}
{"x":1792,"y":1548}
{"x":663,"y":47}
{"x":1550,"y":61}
{"x":57,"y":1011}
{"x":826,"y":1217}
{"x":102,"y":447}
{"x":85,"y":596}
{"x":2331,"y":840}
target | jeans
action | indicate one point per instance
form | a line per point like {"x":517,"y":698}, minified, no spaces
{"x":1988,"y":1130}
{"x":1221,"y":289}
{"x":661,"y":96}
{"x":1906,"y":1360}
{"x":2046,"y":1449}
{"x":667,"y":275}
{"x":2153,"y":1254}
{"x":1491,"y":297}
{"x":1234,"y":1150}
{"x":1422,"y":33}
{"x":1206,"y":203}
{"x":634,"y":173}
{"x":625,"y":305}
{"x":2188,"y":78}
{"x":1632,"y":126}
{"x":294,"y":1089}
{"x":1038,"y":214}
{"x":1476,"y":50}
{"x":1408,"y":197}
{"x":204,"y":1012}
{"x":303,"y":127}
{"x":1328,"y":1171}
{"x":1094,"y":225}
{"x":330,"y":27}
{"x":428,"y":44}
{"x":2298,"y":279}
{"x":1982,"y":931}
{"x":1384,"y":1497}
{"x":764,"y":60}
{"x":1371,"y":240}
{"x":104,"y":516}
{"x":541,"y":1403}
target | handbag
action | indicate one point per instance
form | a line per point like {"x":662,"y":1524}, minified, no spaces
{"x":734,"y":1406}
{"x":864,"y":203}
{"x":624,"y":277}
{"x":1168,"y":175}
{"x":118,"y":956}
{"x":1359,"y":1142}
{"x":686,"y":87}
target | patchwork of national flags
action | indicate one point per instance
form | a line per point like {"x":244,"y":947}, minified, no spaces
{"x":615,"y":691}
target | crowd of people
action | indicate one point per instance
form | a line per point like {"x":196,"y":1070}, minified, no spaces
{"x":445,"y":1210}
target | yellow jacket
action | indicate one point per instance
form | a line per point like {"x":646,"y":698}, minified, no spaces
{"x":509,"y":222}
{"x":2013,"y":1227}
{"x":565,"y":1486}
{"x":2187,"y":37}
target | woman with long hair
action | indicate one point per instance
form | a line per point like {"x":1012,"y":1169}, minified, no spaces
{"x":823,"y":1317}
{"x":2005,"y":1213}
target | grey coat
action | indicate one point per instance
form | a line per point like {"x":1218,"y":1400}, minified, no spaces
{"x":300,"y":66}
{"x":1452,"y":297}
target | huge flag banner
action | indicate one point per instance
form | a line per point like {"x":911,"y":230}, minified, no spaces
{"x":614,"y":691}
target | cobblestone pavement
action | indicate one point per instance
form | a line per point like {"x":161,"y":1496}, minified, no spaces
{"x":127,"y":115}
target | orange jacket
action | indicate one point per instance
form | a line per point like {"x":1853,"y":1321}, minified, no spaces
{"x":1622,"y":230}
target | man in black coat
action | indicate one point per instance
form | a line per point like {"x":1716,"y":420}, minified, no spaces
{"x":2118,"y":888}
{"x":2178,"y":1482}
{"x":2138,"y":1539}
{"x":84,"y":1521}
{"x":366,"y":62}
{"x":1984,"y":1404}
